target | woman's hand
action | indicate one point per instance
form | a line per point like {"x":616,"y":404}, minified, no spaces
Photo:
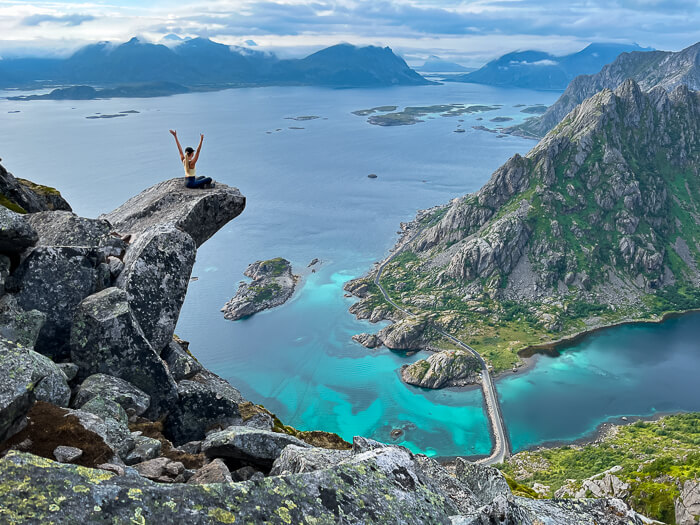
{"x":173,"y":133}
{"x":201,"y":137}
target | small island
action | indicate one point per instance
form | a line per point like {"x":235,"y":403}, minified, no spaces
{"x":443,"y":369}
{"x":412,"y":114}
{"x":273,"y":284}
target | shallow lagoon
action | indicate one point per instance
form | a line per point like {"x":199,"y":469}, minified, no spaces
{"x":309,"y":196}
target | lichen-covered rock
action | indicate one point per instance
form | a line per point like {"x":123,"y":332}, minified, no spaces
{"x":115,"y":434}
{"x":133,"y":400}
{"x":18,"y":325}
{"x":70,"y":370}
{"x":688,"y":503}
{"x":106,"y":338}
{"x":248,"y":445}
{"x":273,"y":284}
{"x":486,"y":483}
{"x":181,"y":364}
{"x":214,"y":472}
{"x":54,"y":280}
{"x":441,"y":369}
{"x":200,"y":213}
{"x":157,"y":268}
{"x":16,"y":234}
{"x":64,"y":228}
{"x":204,"y":401}
{"x":295,"y":459}
{"x":145,"y":448}
{"x":106,"y":408}
{"x":23,"y":371}
{"x":373,"y":488}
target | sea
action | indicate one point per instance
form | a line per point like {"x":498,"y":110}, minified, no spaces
{"x":309,"y":196}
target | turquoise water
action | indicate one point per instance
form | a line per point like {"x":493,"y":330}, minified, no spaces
{"x":309,"y":196}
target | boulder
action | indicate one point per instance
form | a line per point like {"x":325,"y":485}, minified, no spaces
{"x":133,"y":400}
{"x":249,"y":446}
{"x":486,"y":483}
{"x":362,"y":444}
{"x":54,"y":280}
{"x":181,"y":364}
{"x":145,"y":448}
{"x":164,"y":470}
{"x":157,"y":268}
{"x":24,"y":376}
{"x":199,"y":213}
{"x":688,"y":503}
{"x":16,"y":234}
{"x":64,"y":228}
{"x":441,"y":369}
{"x":247,"y":473}
{"x":114,"y":434}
{"x":70,"y":370}
{"x":64,"y":454}
{"x":214,"y":472}
{"x":205,"y":401}
{"x":295,"y":459}
{"x":18,"y":325}
{"x":367,"y":340}
{"x":107,"y":339}
{"x":106,"y":408}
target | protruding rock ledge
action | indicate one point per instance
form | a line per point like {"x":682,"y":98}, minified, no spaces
{"x":198,"y":212}
{"x":442,"y":369}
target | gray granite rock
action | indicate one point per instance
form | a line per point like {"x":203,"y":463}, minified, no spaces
{"x":64,"y":454}
{"x":115,"y":434}
{"x":64,"y":228}
{"x":252,"y":446}
{"x":214,"y":472}
{"x":687,"y":504}
{"x":54,"y":280}
{"x":106,"y":408}
{"x":70,"y":370}
{"x":17,"y":325}
{"x":199,"y":213}
{"x":22,"y":370}
{"x":133,"y":400}
{"x":157,"y":268}
{"x":181,"y":364}
{"x":486,"y":483}
{"x":145,"y":448}
{"x":204,"y":401}
{"x":107,"y":339}
{"x":30,"y":196}
{"x":295,"y":459}
{"x":16,"y":234}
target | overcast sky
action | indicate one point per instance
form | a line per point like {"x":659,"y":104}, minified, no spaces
{"x":469,"y":32}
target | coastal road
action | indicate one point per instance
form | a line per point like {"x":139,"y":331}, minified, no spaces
{"x":500,"y":449}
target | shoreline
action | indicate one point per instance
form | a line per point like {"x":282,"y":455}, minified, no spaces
{"x":553,"y":348}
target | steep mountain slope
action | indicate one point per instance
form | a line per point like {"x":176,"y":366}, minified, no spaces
{"x":599,"y":223}
{"x":435,"y":64}
{"x":201,"y":63}
{"x":655,"y":68}
{"x":540,"y":70}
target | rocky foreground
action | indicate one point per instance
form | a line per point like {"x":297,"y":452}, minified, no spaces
{"x":272,"y":285}
{"x":105,"y":415}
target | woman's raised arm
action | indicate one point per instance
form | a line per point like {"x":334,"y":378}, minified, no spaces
{"x":199,"y":148}
{"x":179,"y":148}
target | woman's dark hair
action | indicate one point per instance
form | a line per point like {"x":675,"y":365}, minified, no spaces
{"x":189,"y":150}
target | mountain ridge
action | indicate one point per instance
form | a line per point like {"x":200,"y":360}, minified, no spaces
{"x":649,"y":69}
{"x":202,"y":63}
{"x":603,"y":211}
{"x":540,"y":70}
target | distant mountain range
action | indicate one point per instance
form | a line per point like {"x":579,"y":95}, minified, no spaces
{"x":540,"y":70}
{"x":200,"y":63}
{"x":436,"y":64}
{"x":666,"y":69}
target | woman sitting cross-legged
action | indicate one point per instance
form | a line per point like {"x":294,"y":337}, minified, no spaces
{"x":189,"y":160}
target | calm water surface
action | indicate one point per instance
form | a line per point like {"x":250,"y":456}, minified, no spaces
{"x":309,"y":196}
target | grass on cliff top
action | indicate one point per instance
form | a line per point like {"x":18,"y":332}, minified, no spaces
{"x":10,"y":205}
{"x":38,"y":188}
{"x":655,"y":456}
